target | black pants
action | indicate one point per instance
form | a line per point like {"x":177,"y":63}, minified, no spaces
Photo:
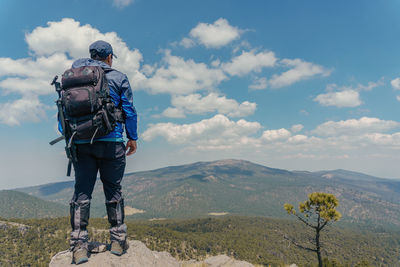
{"x":108,"y":158}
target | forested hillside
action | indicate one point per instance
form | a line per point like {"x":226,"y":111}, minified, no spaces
{"x":257,"y":240}
{"x":14,"y":204}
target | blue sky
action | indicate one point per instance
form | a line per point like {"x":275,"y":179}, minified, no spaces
{"x":299,"y":85}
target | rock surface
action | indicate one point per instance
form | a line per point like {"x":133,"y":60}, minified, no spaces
{"x":138,"y":255}
{"x":21,"y":227}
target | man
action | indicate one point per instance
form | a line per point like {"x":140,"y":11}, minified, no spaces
{"x":105,"y":155}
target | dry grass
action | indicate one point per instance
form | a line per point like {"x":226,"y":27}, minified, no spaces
{"x":194,"y":265}
{"x":218,"y":213}
{"x":130,"y":210}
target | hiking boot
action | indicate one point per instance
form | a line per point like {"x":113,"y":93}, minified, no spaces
{"x":79,"y":255}
{"x":117,"y":248}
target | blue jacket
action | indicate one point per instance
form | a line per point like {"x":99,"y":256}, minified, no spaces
{"x":120,"y":92}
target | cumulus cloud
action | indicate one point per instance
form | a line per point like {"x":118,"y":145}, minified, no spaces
{"x":248,"y":62}
{"x":180,"y":76}
{"x":29,"y":75}
{"x":346,"y":98}
{"x":147,"y":69}
{"x":25,"y":86}
{"x":355,"y":126}
{"x":395,"y":83}
{"x":259,"y":84}
{"x":171,"y":112}
{"x":222,"y":133}
{"x":216,"y":130}
{"x":273,"y":135}
{"x":300,"y":70}
{"x":215,"y":35}
{"x":187,"y":42}
{"x":122,"y":3}
{"x":369,"y":86}
{"x":299,"y":138}
{"x":196,"y":104}
{"x":27,"y":109}
{"x":70,"y":37}
{"x":353,"y":141}
{"x":296,"y":128}
{"x":53,"y":49}
{"x":383,"y":139}
{"x":176,"y":75}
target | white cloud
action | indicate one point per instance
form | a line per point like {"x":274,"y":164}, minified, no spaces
{"x":147,"y":70}
{"x":300,"y":70}
{"x":351,"y":144}
{"x":180,"y":76}
{"x":28,"y":75}
{"x":25,"y":109}
{"x":274,"y":135}
{"x":333,"y":135}
{"x":218,"y":130}
{"x":304,"y":112}
{"x":300,"y":138}
{"x":359,"y":87}
{"x":196,"y":104}
{"x":215,"y":35}
{"x":384,"y":139}
{"x":173,"y":113}
{"x":53,"y":49}
{"x":25,"y":86}
{"x":296,"y":128}
{"x":242,"y":45}
{"x":347,"y":98}
{"x":398,"y":98}
{"x":395,"y":83}
{"x":355,"y":126}
{"x":122,"y":3}
{"x":259,"y":84}
{"x":31,"y":76}
{"x":216,"y":63}
{"x":187,"y":42}
{"x":248,"y":62}
{"x":70,"y":37}
{"x":369,"y":86}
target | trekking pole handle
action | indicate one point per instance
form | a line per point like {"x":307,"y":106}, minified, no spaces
{"x":57,"y":85}
{"x":54,"y":80}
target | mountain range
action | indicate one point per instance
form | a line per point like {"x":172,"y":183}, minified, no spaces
{"x":14,"y":204}
{"x":237,"y":187}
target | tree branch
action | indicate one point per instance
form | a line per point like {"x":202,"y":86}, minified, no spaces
{"x":298,"y":245}
{"x":304,"y":221}
{"x":323,"y":225}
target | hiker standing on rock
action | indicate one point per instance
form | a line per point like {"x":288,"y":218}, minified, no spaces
{"x":92,"y":121}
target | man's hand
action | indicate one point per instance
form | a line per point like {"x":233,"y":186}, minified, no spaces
{"x":131,"y":147}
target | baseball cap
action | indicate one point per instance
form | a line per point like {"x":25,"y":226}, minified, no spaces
{"x":102,"y":49}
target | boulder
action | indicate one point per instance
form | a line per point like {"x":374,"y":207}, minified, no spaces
{"x":138,"y":255}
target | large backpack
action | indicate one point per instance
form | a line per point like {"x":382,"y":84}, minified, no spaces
{"x":88,"y":109}
{"x":85,"y":108}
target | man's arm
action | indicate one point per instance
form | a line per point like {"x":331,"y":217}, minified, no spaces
{"x":130,"y":116}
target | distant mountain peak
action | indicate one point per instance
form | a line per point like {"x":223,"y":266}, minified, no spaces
{"x":345,"y":174}
{"x":236,"y":186}
{"x":227,"y":162}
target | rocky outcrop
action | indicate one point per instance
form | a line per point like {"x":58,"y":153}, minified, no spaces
{"x":138,"y":255}
{"x":21,"y":227}
{"x":216,"y":261}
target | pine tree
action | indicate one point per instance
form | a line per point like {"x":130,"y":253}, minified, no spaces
{"x":316,"y":212}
